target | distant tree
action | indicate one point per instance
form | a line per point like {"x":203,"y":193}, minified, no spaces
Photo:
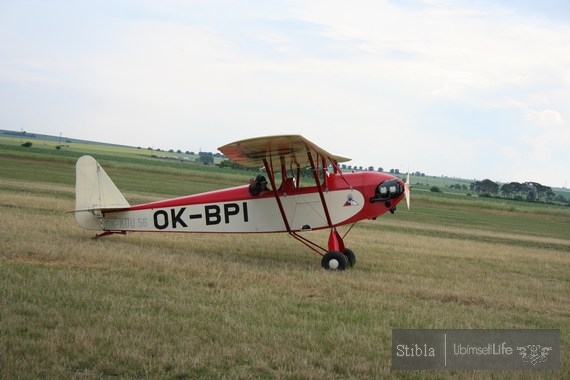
{"x":435,"y":189}
{"x":206,"y":158}
{"x":179,"y":151}
{"x":545,"y":193}
{"x":485,"y":187}
{"x":380,"y":169}
{"x":536,"y":191}
{"x":225,"y":164}
{"x":531,"y":191}
{"x":231,"y":165}
{"x":371,"y":168}
{"x":27,"y":144}
{"x":513,"y":189}
{"x":490,"y":187}
{"x":306,"y":173}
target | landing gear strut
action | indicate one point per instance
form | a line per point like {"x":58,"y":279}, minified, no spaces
{"x":338,"y":257}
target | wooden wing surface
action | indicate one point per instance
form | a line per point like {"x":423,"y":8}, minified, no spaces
{"x":289,"y":150}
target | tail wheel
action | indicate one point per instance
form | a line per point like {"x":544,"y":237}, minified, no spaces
{"x":350,"y":256}
{"x":334,"y":260}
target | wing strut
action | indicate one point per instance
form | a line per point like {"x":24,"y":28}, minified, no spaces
{"x":335,"y":242}
{"x":338,"y":171}
{"x":320,"y":188}
{"x":271,"y":175}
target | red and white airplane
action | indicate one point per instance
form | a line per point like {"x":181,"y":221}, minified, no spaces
{"x":330,"y":199}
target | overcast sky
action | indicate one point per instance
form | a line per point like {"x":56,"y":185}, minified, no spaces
{"x":471,"y":89}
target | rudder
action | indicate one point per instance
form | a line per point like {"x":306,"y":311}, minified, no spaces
{"x":94,"y":192}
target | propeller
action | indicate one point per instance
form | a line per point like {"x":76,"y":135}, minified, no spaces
{"x":407,"y":193}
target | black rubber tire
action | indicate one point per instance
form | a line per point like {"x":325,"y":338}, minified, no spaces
{"x":334,"y":260}
{"x":350,"y":256}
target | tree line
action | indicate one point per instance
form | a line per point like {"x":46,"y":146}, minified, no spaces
{"x":529,"y":191}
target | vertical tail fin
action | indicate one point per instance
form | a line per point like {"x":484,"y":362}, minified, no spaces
{"x":94,"y":192}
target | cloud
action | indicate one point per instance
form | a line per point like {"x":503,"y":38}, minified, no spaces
{"x":544,"y":118}
{"x":459,"y":88}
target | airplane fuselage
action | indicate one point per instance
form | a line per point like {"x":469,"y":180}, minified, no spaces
{"x":348,"y":198}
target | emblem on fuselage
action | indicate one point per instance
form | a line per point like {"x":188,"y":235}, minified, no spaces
{"x":350,"y":201}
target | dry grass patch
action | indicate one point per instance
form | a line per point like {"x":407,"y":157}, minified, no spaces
{"x":254,"y":306}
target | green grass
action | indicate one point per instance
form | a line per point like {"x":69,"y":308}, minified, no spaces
{"x":92,"y":148}
{"x":258,"y":306}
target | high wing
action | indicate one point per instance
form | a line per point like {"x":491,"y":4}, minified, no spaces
{"x":287,"y":149}
{"x":293,"y":151}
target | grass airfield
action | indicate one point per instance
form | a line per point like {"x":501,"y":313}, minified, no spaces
{"x":258,"y":306}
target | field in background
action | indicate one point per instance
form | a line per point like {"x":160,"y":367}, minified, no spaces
{"x":66,"y":145}
{"x":257,"y":306}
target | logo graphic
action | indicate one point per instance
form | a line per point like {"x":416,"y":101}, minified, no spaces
{"x":534,"y":353}
{"x":350,"y":201}
{"x":476,"y":349}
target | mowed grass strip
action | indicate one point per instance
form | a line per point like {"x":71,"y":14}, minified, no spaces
{"x":255,"y":306}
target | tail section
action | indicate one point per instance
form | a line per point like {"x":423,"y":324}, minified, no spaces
{"x":95,"y":192}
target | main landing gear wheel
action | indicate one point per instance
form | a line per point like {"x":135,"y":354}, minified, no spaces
{"x":350,"y":256}
{"x":334,"y":260}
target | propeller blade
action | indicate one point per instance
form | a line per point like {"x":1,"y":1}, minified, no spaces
{"x":407,"y":192}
